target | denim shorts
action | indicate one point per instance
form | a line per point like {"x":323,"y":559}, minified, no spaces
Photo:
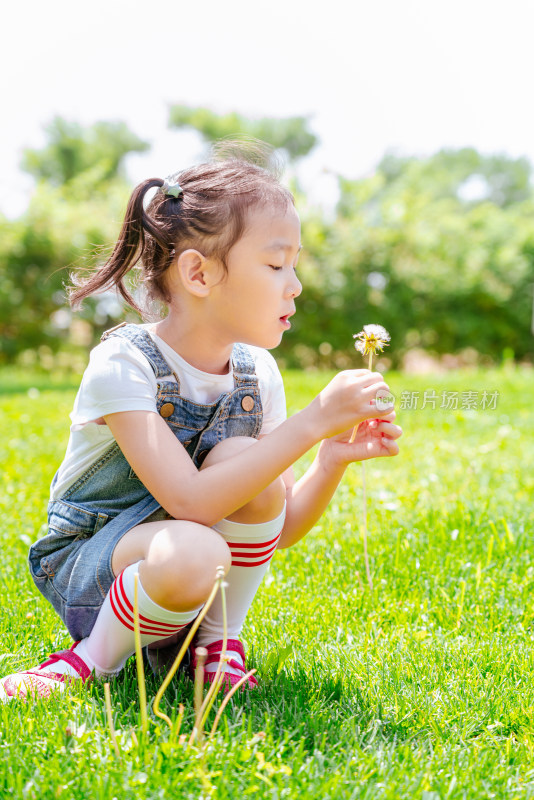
{"x":71,"y":566}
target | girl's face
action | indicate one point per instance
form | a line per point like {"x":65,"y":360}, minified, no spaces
{"x":254,"y":301}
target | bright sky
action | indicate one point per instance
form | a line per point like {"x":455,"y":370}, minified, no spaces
{"x":409,"y":75}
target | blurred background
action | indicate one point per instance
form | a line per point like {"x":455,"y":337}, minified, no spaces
{"x":405,"y":127}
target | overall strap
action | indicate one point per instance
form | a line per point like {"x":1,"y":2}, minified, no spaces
{"x":244,"y":367}
{"x":142,"y":339}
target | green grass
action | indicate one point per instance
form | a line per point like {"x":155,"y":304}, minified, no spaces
{"x":423,"y":690}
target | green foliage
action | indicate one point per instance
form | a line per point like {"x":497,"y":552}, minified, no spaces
{"x":72,"y":218}
{"x":287,"y":133}
{"x":498,"y":179}
{"x":98,"y":150}
{"x":36,"y":254}
{"x":439,"y":250}
{"x":424,"y":689}
{"x":408,"y":251}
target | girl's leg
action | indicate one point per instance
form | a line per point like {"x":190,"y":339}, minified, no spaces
{"x":177,"y":563}
{"x":251,"y":534}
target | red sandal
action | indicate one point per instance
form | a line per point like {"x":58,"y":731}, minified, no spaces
{"x":43,"y":684}
{"x":214,"y":653}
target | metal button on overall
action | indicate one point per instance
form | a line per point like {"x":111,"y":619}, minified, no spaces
{"x":166,"y":410}
{"x":201,"y":456}
{"x":247,"y":403}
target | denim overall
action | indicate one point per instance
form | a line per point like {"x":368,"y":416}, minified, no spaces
{"x":71,"y":565}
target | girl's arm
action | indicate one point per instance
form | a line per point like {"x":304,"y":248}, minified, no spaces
{"x":208,"y":495}
{"x":308,"y":498}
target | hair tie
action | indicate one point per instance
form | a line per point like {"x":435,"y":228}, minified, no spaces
{"x":172,"y":188}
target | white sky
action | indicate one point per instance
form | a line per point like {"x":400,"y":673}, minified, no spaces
{"x":408,"y":75}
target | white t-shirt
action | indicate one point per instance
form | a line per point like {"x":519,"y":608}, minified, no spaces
{"x":120,"y":378}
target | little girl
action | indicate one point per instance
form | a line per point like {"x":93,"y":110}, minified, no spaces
{"x":180,"y":457}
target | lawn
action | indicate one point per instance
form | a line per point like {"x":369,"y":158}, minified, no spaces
{"x":422,"y":689}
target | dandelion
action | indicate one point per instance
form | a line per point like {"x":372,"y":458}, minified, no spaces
{"x":373,"y":338}
{"x":368,"y":341}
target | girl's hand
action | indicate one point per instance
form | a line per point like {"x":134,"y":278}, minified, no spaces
{"x":346,"y":401}
{"x":374,"y":438}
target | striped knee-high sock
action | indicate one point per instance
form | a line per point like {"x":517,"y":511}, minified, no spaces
{"x":252,"y":548}
{"x":112,"y":639}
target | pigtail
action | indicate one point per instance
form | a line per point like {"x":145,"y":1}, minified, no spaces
{"x":129,"y":249}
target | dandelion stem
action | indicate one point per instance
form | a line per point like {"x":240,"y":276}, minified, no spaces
{"x":355,"y":429}
{"x":110,"y":720}
{"x":365,"y":553}
{"x":490,"y":551}
{"x":139,"y":657}
{"x":364,"y":502}
{"x":461,"y":603}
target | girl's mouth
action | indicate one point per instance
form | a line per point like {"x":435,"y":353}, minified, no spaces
{"x":285,"y":321}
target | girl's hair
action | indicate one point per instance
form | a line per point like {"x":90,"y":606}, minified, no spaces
{"x":210,"y":215}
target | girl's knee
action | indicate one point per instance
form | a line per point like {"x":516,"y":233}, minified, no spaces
{"x":269,"y":503}
{"x":181,"y":565}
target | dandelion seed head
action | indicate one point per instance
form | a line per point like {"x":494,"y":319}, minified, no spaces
{"x":373,"y":338}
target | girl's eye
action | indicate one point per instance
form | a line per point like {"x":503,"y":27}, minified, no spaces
{"x":272,"y":266}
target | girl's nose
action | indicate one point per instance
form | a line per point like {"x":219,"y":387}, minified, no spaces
{"x":295,"y":287}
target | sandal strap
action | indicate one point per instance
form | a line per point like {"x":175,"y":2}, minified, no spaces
{"x":233,"y":645}
{"x":72,"y":659}
{"x":237,"y":665}
{"x":214,"y":653}
{"x":54,"y":676}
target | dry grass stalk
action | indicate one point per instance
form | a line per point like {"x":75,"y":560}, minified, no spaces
{"x":139,"y":657}
{"x":201,"y":654}
{"x":109,"y":715}
{"x":228,"y":697}
{"x":183,"y":650}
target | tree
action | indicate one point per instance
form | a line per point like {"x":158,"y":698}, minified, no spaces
{"x":98,"y":150}
{"x":464,"y":174}
{"x":409,"y":251}
{"x":290,"y":133}
{"x":80,"y":196}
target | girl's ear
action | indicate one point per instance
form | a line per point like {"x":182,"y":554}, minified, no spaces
{"x":197,"y":273}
